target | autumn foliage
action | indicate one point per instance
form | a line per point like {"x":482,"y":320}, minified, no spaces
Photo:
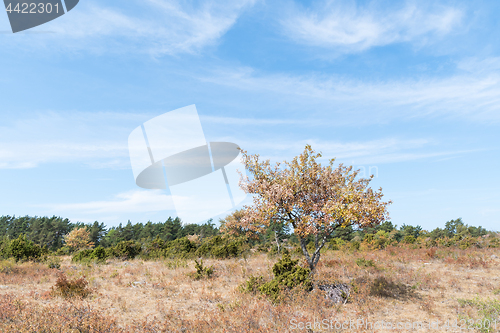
{"x":79,"y":239}
{"x":315,"y":200}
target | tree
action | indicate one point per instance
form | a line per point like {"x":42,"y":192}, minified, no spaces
{"x":232,"y":225}
{"x":97,"y":232}
{"x":313,"y":199}
{"x":409,"y":230}
{"x":79,"y":238}
{"x":453,"y":227}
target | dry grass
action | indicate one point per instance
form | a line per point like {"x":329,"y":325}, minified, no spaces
{"x":156,"y":296}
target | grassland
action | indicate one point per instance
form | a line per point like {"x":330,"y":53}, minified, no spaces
{"x":427,"y":286}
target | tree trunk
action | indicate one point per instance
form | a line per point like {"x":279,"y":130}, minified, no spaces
{"x":277,"y":241}
{"x":313,"y":261}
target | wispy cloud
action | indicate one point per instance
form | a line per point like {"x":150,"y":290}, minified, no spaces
{"x":156,"y":27}
{"x":255,"y":121}
{"x":98,"y":140}
{"x":472,"y":92}
{"x":349,"y":27}
{"x":135,"y":201}
{"x":380,"y":151}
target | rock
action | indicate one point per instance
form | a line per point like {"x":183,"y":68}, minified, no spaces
{"x":493,"y":257}
{"x":338,"y":293}
{"x":138,"y":283}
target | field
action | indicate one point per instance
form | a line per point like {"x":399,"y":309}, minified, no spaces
{"x":425,"y":286}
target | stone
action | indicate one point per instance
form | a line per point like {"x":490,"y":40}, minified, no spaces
{"x":338,"y":293}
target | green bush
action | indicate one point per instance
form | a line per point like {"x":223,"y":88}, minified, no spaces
{"x":22,"y":249}
{"x":494,"y":242}
{"x":381,"y":243}
{"x":82,"y":256}
{"x":124,"y":250}
{"x":252,"y":285}
{"x":202,"y":272}
{"x":354,"y":245}
{"x":154,"y":249}
{"x":63,"y":251}
{"x":368,"y":238}
{"x":7,"y":266}
{"x":221,"y":247}
{"x":99,"y":254}
{"x":336,"y":244}
{"x":488,"y":310}
{"x":467,"y":242}
{"x":179,"y":248}
{"x":409,"y":239}
{"x":288,"y":275}
{"x":362,"y":262}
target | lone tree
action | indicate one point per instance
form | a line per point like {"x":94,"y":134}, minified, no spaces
{"x":79,"y":238}
{"x":313,"y":199}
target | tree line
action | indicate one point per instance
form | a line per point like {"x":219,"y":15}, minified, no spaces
{"x":49,"y":232}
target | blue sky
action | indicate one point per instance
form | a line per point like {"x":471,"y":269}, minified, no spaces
{"x":410,"y":90}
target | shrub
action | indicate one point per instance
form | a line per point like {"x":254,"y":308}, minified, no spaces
{"x":201,"y":272}
{"x":362,"y":262}
{"x":53,"y":262}
{"x":381,"y":243}
{"x":63,"y":251}
{"x":179,"y":248}
{"x":495,"y":242}
{"x":368,"y":238}
{"x":22,"y":249}
{"x":82,"y":256}
{"x":252,"y":285}
{"x":262,"y":247}
{"x":466,"y":242}
{"x":124,"y":250}
{"x":221,"y":247}
{"x":487,"y":310}
{"x":71,"y":288}
{"x":336,"y":243}
{"x":288,"y":275}
{"x":383,"y":287}
{"x":354,"y":245}
{"x":429,"y":243}
{"x":98,"y":254}
{"x":7,"y":266}
{"x":409,"y":239}
{"x":154,"y":249}
{"x":431,"y":252}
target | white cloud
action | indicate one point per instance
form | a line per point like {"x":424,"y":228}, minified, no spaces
{"x":156,"y":27}
{"x":472,"y":95}
{"x":381,"y":151}
{"x":352,"y":27}
{"x":254,"y":121}
{"x":95,"y":139}
{"x":136,"y":201}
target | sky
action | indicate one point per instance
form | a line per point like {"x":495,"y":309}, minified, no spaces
{"x":406,"y":90}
